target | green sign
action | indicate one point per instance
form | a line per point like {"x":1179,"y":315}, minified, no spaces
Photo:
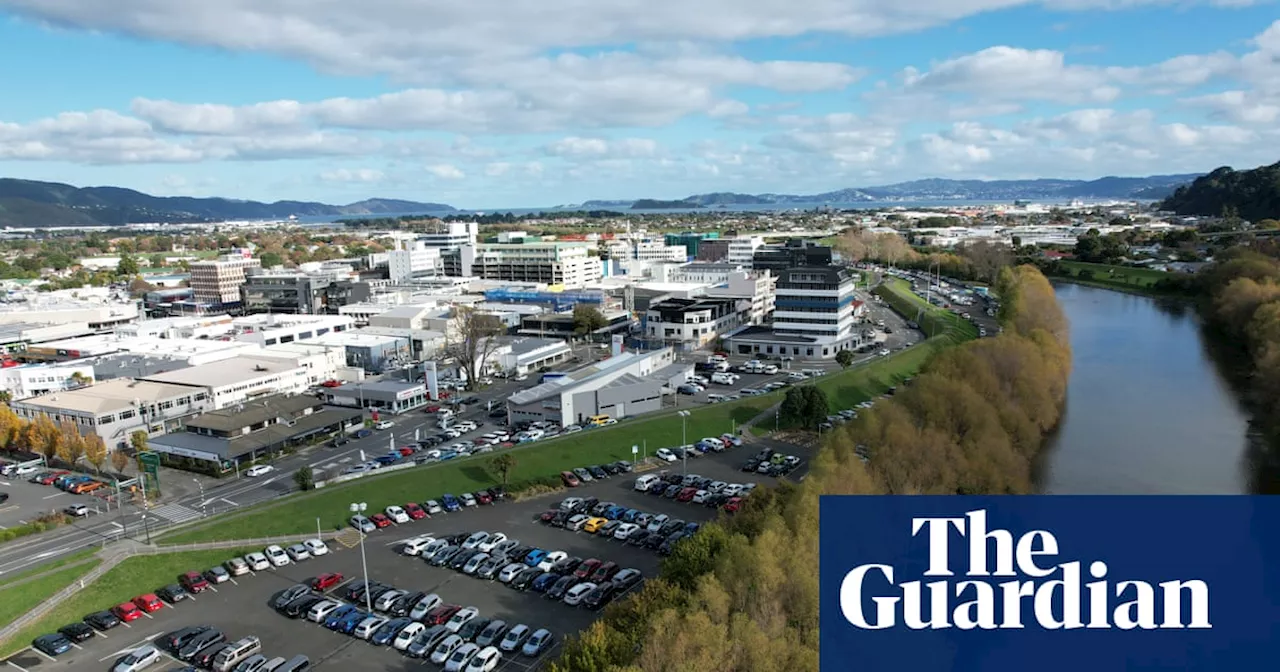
{"x":149,"y":466}
{"x":149,"y":460}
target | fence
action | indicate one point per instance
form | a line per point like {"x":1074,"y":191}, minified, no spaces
{"x":59,"y":597}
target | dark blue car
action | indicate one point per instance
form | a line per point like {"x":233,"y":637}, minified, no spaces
{"x":334,"y":621}
{"x":364,"y":433}
{"x":389,"y":458}
{"x":52,"y":645}
{"x":350,"y":621}
{"x":690,"y":528}
{"x":535,"y":556}
{"x":389,"y":630}
{"x":543,"y":583}
{"x":629,"y":516}
{"x":614,"y":512}
{"x":450,"y":503}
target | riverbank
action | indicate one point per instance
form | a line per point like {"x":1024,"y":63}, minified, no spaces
{"x":1127,"y":279}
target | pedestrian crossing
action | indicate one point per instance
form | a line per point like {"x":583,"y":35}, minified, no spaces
{"x":176,"y":513}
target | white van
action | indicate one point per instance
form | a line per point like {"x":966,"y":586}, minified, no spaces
{"x":645,"y":482}
{"x":238,"y":651}
{"x":724,"y":378}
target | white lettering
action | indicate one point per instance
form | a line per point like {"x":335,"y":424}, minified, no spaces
{"x":978,"y":537}
{"x":1139,"y":613}
{"x":979,"y":612}
{"x":1013,"y":592}
{"x":851,"y":598}
{"x":1070,"y":585}
{"x":1098,"y":596}
{"x":912,"y":609}
{"x":1027,"y":552}
{"x":938,"y":562}
{"x":1173,"y":603}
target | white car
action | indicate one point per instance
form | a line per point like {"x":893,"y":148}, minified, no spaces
{"x":714,"y":442}
{"x":701,"y":496}
{"x":578,"y":593}
{"x":298,"y":553}
{"x":276,"y":555}
{"x":657,"y":522}
{"x":369,"y":626}
{"x":321,"y":611}
{"x":486,"y":660}
{"x":433,"y":507}
{"x":666,"y":455}
{"x":363,"y":524}
{"x":732,"y":490}
{"x":258,"y":562}
{"x":458,"y":661}
{"x":259,"y":470}
{"x":140,"y":658}
{"x":384,"y":424}
{"x":23,"y":471}
{"x":405,"y":638}
{"x":415,"y":545}
{"x":316,"y":547}
{"x":388,"y":598}
{"x":424,"y":605}
{"x":624,"y":531}
{"x":492,"y":542}
{"x":473,"y":542}
{"x":397,"y":514}
{"x":446,"y":648}
{"x":460,"y":619}
{"x":576,"y":522}
{"x":551,"y":559}
{"x":717,"y":487}
{"x":467,"y":499}
{"x":510,"y":571}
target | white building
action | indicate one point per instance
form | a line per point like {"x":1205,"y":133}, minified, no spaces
{"x":274,"y":328}
{"x":117,"y":408}
{"x":207,"y":326}
{"x":815,"y":317}
{"x":450,"y":235}
{"x":98,"y":312}
{"x":191,"y":351}
{"x":234,"y":380}
{"x":415,"y":260}
{"x":411,"y":316}
{"x":698,"y":272}
{"x":690,"y":323}
{"x":567,"y":264}
{"x":216,"y":282}
{"x":524,"y":355}
{"x":757,"y":290}
{"x":31,"y":380}
{"x":621,"y":386}
{"x":322,"y":362}
{"x":743,"y":249}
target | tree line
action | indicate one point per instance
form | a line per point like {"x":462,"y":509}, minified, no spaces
{"x":58,"y":440}
{"x":743,"y":593}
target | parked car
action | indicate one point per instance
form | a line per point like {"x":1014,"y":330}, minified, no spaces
{"x":259,"y":470}
{"x":138,"y":659}
{"x":54,"y":644}
{"x":102,"y":620}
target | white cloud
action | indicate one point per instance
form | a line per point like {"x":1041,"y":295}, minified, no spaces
{"x":357,"y":175}
{"x":446,"y":171}
{"x":599,"y":148}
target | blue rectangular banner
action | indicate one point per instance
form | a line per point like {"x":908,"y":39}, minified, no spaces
{"x":1049,"y":583}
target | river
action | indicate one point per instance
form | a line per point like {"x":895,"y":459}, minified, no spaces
{"x":1148,"y":410}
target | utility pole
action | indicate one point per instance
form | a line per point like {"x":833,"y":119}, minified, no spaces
{"x":203,"y":502}
{"x":684,"y":440}
{"x":364,"y":563}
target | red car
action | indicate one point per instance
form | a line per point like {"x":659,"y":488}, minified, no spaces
{"x":547,"y":515}
{"x":49,"y":478}
{"x":380,"y":520}
{"x":570,"y":481}
{"x":733,"y":504}
{"x":587,"y":568}
{"x":127,"y":612}
{"x":148,"y":603}
{"x":406,"y":451}
{"x":686,"y":495}
{"x":330,"y":383}
{"x":326,"y":581}
{"x":433,"y":408}
{"x":604,"y":572}
{"x":484,"y":497}
{"x":415,"y":512}
{"x":193,"y":582}
{"x":441,"y":615}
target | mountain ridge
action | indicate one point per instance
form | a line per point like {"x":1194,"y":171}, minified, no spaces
{"x":1253,"y":194}
{"x":30,"y":203}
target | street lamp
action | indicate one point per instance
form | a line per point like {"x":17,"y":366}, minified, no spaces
{"x":203,"y":502}
{"x":684,"y":451}
{"x":364,"y":564}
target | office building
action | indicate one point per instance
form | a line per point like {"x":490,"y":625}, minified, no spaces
{"x":375,"y":353}
{"x":388,"y":396}
{"x":742,"y":250}
{"x":793,"y":254}
{"x":756,"y":292}
{"x":566,"y":264}
{"x":238,"y":379}
{"x":272,"y":329}
{"x":688,"y":324}
{"x":626,"y":384}
{"x":115,"y":409}
{"x":415,"y":260}
{"x":561,"y":325}
{"x":31,"y":380}
{"x":216,"y":282}
{"x":691,"y":241}
{"x":815,"y":316}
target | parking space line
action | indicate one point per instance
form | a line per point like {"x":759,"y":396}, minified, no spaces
{"x":148,"y":615}
{"x":56,"y":494}
{"x":232,"y":579}
{"x":76,"y":645}
{"x":99,"y":634}
{"x":42,"y":653}
{"x":16,"y":666}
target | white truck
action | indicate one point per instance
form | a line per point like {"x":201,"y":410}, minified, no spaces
{"x":723,"y":378}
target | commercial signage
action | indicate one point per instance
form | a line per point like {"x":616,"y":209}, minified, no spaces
{"x":918,"y":584}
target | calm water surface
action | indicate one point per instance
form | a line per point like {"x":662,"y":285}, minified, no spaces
{"x":1148,"y":411}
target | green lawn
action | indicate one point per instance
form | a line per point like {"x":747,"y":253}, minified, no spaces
{"x":936,"y":322}
{"x":297,"y":514}
{"x":18,"y":600}
{"x":135,"y":576}
{"x":1120,"y":276}
{"x":845,"y":390}
{"x":78,"y":556}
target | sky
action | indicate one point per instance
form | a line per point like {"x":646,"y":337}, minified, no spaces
{"x":526,"y":103}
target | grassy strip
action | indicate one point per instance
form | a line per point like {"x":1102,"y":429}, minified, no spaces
{"x":18,"y":600}
{"x":933,"y":320}
{"x":78,"y":556}
{"x":1114,"y":276}
{"x":297,"y":514}
{"x":135,"y":576}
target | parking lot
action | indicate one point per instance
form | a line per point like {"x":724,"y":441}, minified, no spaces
{"x":29,"y":500}
{"x":240,"y":607}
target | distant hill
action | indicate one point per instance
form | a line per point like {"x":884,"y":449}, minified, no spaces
{"x":935,"y":189}
{"x":1254,"y":194}
{"x":27,"y":203}
{"x":655,"y":204}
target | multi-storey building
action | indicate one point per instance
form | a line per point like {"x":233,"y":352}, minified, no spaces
{"x":690,"y":323}
{"x":792,"y":254}
{"x":417,"y":259}
{"x":117,"y":408}
{"x":567,"y":264}
{"x":815,"y":316}
{"x":742,"y":250}
{"x":216,"y":282}
{"x":29,"y":380}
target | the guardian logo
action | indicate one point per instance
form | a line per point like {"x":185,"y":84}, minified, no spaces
{"x":1013,"y":584}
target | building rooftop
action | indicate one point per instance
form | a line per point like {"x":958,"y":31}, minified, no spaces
{"x":391,"y":386}
{"x":254,"y":412}
{"x":356,"y":338}
{"x":686,"y":305}
{"x":406,"y":312}
{"x":128,"y":365}
{"x":109,"y":396}
{"x":525,"y":345}
{"x":270,"y":436}
{"x":578,"y":376}
{"x":227,"y":371}
{"x":147,"y":345}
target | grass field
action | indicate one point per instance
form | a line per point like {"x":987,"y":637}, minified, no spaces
{"x":78,"y":556}
{"x":135,"y":576}
{"x":297,"y":514}
{"x":17,"y":600}
{"x":936,"y":322}
{"x":1117,"y":276}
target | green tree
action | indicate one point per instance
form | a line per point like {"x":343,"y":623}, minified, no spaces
{"x":119,"y":460}
{"x":844,"y":358}
{"x":305,"y":478}
{"x":156,"y":261}
{"x":503,"y":465}
{"x":271,"y":259}
{"x":128,"y":265}
{"x":587,"y":319}
{"x":95,"y":450}
{"x":138,"y":440}
{"x":805,"y":405}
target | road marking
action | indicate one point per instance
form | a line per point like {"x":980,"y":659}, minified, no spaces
{"x":229,"y":502}
{"x":75,"y":645}
{"x":17,"y":666}
{"x":233,"y":580}
{"x":100,"y":634}
{"x":56,"y":494}
{"x":43,"y":654}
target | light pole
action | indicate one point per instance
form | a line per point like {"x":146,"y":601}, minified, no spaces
{"x":684,"y":451}
{"x":364,"y":564}
{"x":203,"y":503}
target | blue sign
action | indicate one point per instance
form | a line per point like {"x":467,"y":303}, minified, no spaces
{"x":1050,"y":583}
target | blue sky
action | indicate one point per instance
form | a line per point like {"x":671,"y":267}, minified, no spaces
{"x":515,"y":103}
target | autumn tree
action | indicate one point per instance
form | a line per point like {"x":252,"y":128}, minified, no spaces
{"x":71,"y":445}
{"x":473,"y":338}
{"x":119,"y":460}
{"x":503,"y":464}
{"x":95,"y":450}
{"x":10,"y":427}
{"x":138,"y":440}
{"x":45,"y":438}
{"x":587,"y":319}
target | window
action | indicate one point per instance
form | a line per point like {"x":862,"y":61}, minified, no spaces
{"x":108,"y":419}
{"x":125,"y":415}
{"x":166,"y":405}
